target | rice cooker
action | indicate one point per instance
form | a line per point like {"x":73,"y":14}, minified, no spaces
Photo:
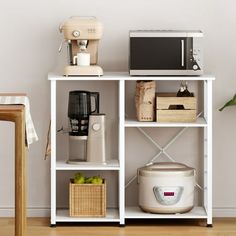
{"x":166,"y":187}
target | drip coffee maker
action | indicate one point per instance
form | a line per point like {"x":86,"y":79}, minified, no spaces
{"x":87,"y":128}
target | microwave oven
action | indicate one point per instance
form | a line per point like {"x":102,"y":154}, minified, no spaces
{"x":166,"y":52}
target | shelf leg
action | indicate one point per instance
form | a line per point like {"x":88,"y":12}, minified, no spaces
{"x":208,"y":150}
{"x":53,"y":152}
{"x":122,"y":151}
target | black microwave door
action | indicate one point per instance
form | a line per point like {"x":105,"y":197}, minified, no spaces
{"x":147,"y":53}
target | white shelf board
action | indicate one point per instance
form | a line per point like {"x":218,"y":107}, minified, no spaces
{"x":137,"y":213}
{"x":201,"y":122}
{"x":112,"y":215}
{"x":110,"y":165}
{"x":126,"y":76}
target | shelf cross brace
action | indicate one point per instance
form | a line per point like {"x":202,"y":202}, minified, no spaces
{"x":162,"y":150}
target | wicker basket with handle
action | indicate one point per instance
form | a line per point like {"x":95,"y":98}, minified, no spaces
{"x":87,"y":200}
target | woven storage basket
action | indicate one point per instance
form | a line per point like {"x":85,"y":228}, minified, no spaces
{"x":88,"y":200}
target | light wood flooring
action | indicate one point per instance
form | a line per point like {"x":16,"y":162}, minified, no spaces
{"x":40,"y":227}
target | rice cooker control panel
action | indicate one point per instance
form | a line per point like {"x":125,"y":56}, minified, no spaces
{"x":168,"y":195}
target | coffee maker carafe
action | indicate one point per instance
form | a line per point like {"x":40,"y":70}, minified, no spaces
{"x":79,"y":110}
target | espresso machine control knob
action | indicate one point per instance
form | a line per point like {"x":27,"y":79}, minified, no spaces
{"x":76,"y":33}
{"x":96,"y":126}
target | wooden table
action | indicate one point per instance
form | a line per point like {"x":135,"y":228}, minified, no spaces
{"x":16,"y":114}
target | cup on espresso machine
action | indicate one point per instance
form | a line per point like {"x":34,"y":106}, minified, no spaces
{"x":80,"y":106}
{"x":83,"y":56}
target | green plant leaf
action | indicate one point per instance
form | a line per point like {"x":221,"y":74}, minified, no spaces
{"x":231,"y":102}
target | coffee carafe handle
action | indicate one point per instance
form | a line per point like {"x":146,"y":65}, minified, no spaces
{"x":95,"y":95}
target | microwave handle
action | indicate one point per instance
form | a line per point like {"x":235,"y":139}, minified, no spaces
{"x":182,"y":53}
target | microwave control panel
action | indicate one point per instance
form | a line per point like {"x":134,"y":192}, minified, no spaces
{"x":196,"y":54}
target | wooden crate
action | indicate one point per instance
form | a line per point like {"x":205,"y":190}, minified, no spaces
{"x":87,"y":200}
{"x":170,"y":108}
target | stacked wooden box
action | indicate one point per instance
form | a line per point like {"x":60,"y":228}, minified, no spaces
{"x":170,"y":108}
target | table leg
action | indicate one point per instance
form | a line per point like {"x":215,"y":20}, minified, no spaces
{"x":20,"y":185}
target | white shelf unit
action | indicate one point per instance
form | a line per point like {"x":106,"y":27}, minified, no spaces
{"x":119,"y":215}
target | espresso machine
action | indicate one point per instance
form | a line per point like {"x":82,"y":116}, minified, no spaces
{"x":87,"y":128}
{"x":82,"y":35}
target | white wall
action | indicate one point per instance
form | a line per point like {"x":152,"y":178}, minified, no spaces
{"x":28,"y":50}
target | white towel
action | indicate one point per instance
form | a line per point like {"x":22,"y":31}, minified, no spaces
{"x":31,"y":135}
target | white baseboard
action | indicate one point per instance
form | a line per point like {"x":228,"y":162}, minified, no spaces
{"x":45,"y":212}
{"x":31,"y":212}
{"x":224,"y":212}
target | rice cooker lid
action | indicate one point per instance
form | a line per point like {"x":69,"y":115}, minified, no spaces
{"x":166,"y":168}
